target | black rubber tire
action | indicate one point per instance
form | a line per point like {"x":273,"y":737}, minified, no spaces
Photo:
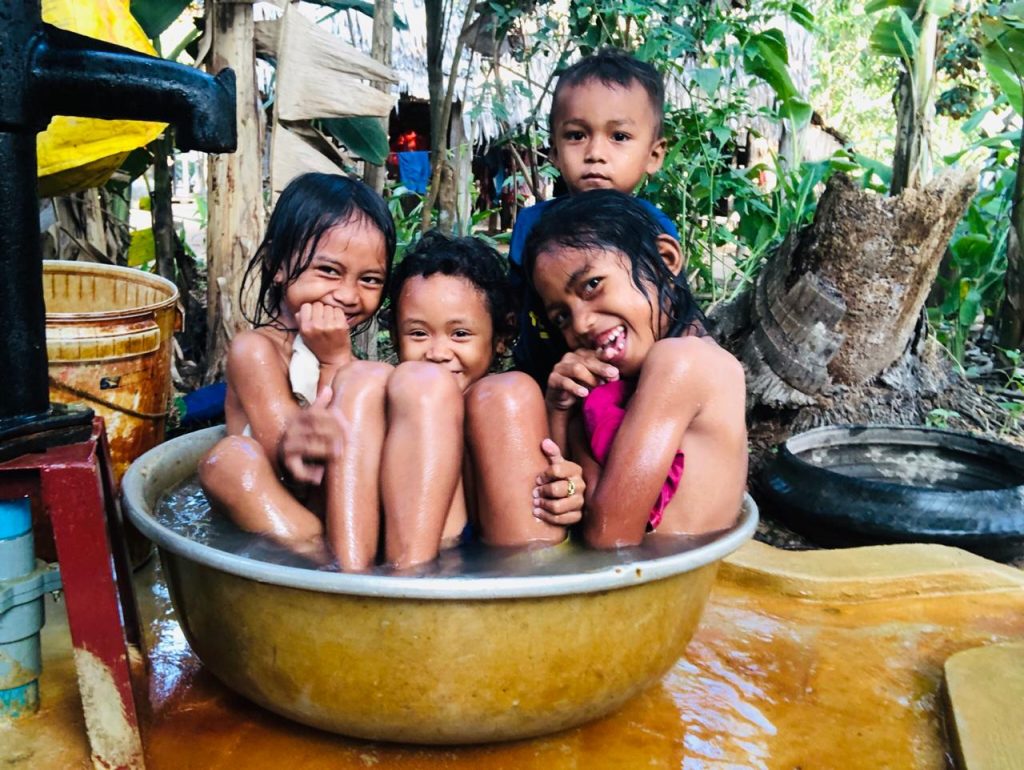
{"x":848,"y":485}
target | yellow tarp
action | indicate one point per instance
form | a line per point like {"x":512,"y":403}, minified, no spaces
{"x":78,"y":153}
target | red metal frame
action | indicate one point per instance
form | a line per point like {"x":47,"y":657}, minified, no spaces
{"x":75,"y":486}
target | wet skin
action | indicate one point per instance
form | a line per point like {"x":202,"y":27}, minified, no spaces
{"x":515,"y":480}
{"x":689,"y":398}
{"x":361,"y":441}
{"x":605,"y":136}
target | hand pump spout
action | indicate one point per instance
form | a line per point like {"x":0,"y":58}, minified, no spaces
{"x":45,"y":71}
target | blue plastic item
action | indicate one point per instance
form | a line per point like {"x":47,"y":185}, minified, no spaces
{"x":23,"y":581}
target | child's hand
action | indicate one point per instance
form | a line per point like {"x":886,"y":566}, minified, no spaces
{"x":574,"y":376}
{"x":558,"y":496}
{"x":325,"y":331}
{"x":313,"y":437}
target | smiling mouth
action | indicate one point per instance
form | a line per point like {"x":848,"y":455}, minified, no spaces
{"x":611,"y":344}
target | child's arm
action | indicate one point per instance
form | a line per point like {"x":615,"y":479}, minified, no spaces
{"x":259,"y":377}
{"x":675,"y":382}
{"x":570,"y":381}
{"x":558,"y":496}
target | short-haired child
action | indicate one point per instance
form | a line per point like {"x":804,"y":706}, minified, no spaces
{"x":643,"y":390}
{"x":451,"y":305}
{"x":606,"y":127}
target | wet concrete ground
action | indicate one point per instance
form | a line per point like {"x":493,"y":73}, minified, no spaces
{"x":770,"y":680}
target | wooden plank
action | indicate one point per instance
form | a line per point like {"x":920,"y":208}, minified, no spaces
{"x":985,"y":687}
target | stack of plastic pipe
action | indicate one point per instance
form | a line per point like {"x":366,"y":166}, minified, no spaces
{"x":23,"y":582}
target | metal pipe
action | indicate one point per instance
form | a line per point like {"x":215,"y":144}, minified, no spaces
{"x":45,"y":71}
{"x":76,"y":75}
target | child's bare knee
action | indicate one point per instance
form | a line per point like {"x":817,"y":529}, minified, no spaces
{"x":363,"y":374}
{"x":418,"y":384}
{"x":229,"y":451}
{"x":509,"y":393}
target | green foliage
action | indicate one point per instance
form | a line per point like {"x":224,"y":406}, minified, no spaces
{"x":1003,"y":51}
{"x":364,"y":137}
{"x":972,"y":282}
{"x":939,"y":418}
{"x":406,"y":209}
{"x":154,"y":16}
{"x":360,"y":6}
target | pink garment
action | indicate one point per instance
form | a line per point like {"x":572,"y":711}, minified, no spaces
{"x":603,"y":412}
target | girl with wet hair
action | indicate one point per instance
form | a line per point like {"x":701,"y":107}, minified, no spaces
{"x":642,"y":389}
{"x":332,"y":457}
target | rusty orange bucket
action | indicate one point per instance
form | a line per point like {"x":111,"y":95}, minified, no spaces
{"x":109,"y":335}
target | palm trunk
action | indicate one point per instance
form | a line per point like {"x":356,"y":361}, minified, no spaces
{"x":832,"y":331}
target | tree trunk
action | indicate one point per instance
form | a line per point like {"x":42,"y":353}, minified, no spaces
{"x":442,"y":177}
{"x":833,"y":330}
{"x":380,"y":49}
{"x":911,"y":165}
{"x":1011,"y":314}
{"x":434,"y":10}
{"x":235,"y":183}
{"x":164,"y":238}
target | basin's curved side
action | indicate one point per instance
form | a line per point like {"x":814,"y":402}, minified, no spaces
{"x":436,"y":672}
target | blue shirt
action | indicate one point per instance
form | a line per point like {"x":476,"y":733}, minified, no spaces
{"x":534,"y":352}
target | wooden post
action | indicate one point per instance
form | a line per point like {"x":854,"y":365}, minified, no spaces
{"x":380,"y":49}
{"x":235,"y":182}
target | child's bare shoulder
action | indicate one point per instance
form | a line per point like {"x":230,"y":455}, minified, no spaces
{"x":692,"y":356}
{"x":254,"y":348}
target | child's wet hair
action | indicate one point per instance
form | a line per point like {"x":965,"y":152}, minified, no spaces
{"x":608,"y":220}
{"x":614,"y":67}
{"x":468,"y":258}
{"x":309,"y":206}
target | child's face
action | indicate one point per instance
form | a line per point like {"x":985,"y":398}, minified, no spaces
{"x":444,"y":319}
{"x":347,"y":271}
{"x":605,"y":137}
{"x":590,"y":296}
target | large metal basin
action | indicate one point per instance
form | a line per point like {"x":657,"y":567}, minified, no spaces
{"x":430,"y":659}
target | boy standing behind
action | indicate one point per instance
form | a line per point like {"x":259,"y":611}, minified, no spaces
{"x":606,"y":132}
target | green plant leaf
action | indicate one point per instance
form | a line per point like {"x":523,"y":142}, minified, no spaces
{"x":1003,"y":57}
{"x":798,"y":111}
{"x":910,"y":6}
{"x":895,"y":36}
{"x":939,"y":7}
{"x":969,"y":308}
{"x":363,"y":136}
{"x":154,"y":16}
{"x":876,"y":167}
{"x":764,"y":55}
{"x":142,"y":248}
{"x":708,"y":78}
{"x":802,"y":16}
{"x":972,"y":249}
{"x":360,"y":6}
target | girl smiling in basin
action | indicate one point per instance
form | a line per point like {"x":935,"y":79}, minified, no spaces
{"x":319,"y":442}
{"x":452,"y":306}
{"x":642,"y":386}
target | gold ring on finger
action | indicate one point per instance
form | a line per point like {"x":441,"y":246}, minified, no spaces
{"x":571,"y":489}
